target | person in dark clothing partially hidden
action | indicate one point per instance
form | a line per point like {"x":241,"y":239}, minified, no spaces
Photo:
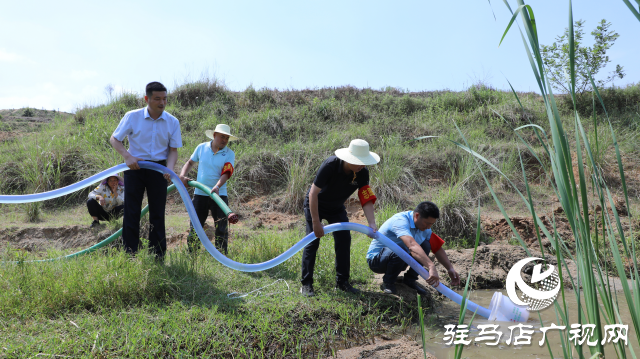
{"x":336,"y":180}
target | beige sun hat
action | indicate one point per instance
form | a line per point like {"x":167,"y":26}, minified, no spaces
{"x":358,"y":153}
{"x":223,"y":129}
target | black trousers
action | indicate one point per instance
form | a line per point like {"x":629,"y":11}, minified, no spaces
{"x":96,"y":210}
{"x":391,"y":265}
{"x":204,"y":205}
{"x":342,"y":244}
{"x":135,"y":184}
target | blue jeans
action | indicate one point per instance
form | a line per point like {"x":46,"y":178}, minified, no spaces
{"x":391,"y":265}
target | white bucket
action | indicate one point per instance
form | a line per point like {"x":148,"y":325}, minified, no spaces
{"x":504,"y":310}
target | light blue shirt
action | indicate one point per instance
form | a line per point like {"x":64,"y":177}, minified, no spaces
{"x":400,"y":224}
{"x":149,"y":139}
{"x":210,"y":167}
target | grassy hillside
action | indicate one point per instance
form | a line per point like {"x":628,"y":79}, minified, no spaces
{"x":107,"y":305}
{"x":286,"y":135}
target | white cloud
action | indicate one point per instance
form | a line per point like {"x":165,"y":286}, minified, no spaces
{"x":50,"y":96}
{"x":6,"y":56}
{"x":38,"y":102}
{"x":9,"y":56}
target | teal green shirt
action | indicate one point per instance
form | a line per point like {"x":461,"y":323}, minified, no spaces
{"x":210,"y":166}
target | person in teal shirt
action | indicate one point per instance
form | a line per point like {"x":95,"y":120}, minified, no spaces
{"x":216,"y":162}
{"x":411,"y":230}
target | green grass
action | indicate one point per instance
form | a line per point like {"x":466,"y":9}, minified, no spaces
{"x":107,"y":304}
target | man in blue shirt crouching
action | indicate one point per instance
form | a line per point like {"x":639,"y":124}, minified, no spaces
{"x":411,"y":230}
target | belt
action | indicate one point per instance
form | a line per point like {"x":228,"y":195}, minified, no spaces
{"x":161,"y":162}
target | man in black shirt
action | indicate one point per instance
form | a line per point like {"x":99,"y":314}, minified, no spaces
{"x":336,"y":180}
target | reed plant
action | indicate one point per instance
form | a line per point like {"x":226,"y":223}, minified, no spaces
{"x":579,"y":190}
{"x":578,"y":193}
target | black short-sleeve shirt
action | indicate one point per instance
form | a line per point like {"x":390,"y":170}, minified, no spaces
{"x":335,"y":185}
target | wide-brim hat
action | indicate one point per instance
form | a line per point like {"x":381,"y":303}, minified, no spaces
{"x":223,"y":129}
{"x":120,"y":180}
{"x":358,"y":153}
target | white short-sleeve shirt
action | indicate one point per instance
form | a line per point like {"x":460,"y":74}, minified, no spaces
{"x":149,"y":139}
{"x":210,"y":166}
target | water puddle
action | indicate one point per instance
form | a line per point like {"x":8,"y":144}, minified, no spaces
{"x":447,"y":313}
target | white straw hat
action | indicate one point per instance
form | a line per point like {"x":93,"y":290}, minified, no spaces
{"x":358,"y":153}
{"x":223,"y":129}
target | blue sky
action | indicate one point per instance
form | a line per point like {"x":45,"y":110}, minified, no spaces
{"x":62,"y":54}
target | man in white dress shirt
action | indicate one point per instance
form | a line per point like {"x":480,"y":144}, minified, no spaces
{"x":154,"y":136}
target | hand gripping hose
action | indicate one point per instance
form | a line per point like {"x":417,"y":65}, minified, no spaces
{"x":473,"y":307}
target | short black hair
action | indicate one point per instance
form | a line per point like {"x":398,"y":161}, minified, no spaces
{"x":428,"y":209}
{"x":154,"y":86}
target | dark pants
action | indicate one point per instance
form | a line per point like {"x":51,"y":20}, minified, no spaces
{"x":342,"y":244}
{"x":96,"y":210}
{"x":204,"y":205}
{"x":135,"y":184}
{"x":391,"y":265}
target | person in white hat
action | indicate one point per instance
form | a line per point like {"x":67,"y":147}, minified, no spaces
{"x":336,"y":180}
{"x":216,"y":162}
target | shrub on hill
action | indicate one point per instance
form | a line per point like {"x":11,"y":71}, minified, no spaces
{"x":28,"y":112}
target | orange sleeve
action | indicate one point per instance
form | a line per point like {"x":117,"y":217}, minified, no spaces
{"x":227,"y":168}
{"x":436,"y":242}
{"x":365,"y":193}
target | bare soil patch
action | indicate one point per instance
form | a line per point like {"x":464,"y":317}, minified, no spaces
{"x":492,"y":264}
{"x":403,"y":348}
{"x":42,"y":238}
{"x":500,"y":230}
{"x":6,"y":135}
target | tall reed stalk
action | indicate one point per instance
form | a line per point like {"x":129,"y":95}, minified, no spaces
{"x":600,"y":298}
{"x":600,"y":305}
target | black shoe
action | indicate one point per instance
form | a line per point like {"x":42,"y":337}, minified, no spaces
{"x":347,"y":288}
{"x":414,"y":285}
{"x":307,"y":290}
{"x":388,"y":288}
{"x":95,"y":223}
